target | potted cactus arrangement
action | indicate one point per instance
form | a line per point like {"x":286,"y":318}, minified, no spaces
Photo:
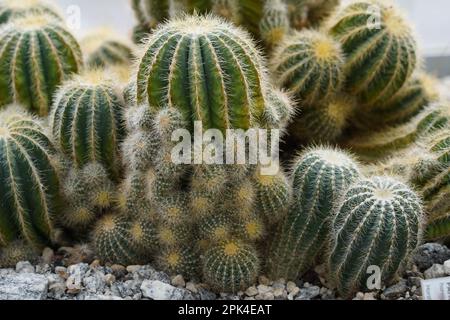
{"x":90,"y":130}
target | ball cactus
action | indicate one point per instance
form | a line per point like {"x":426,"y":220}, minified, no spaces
{"x":321,"y":176}
{"x":29,"y":180}
{"x":87,"y":121}
{"x":310,"y":64}
{"x":103,"y":48}
{"x":380,"y":56}
{"x":37,"y":55}
{"x":231,"y":266}
{"x":12,"y":9}
{"x":207,"y":69}
{"x":15,"y":252}
{"x":378,"y":223}
{"x":274,"y":25}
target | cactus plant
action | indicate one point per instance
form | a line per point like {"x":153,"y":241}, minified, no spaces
{"x":379,"y":144}
{"x":381,"y":55}
{"x":325,"y":122}
{"x":179,"y":260}
{"x":29,"y":180}
{"x":309,"y":13}
{"x":419,"y":92}
{"x":15,"y":252}
{"x":321,"y":176}
{"x":206,"y":68}
{"x":12,"y":9}
{"x":378,"y":223}
{"x":231,"y":266}
{"x":310,"y":64}
{"x":87,"y":121}
{"x":103,"y":48}
{"x":274,"y":25}
{"x":37,"y":55}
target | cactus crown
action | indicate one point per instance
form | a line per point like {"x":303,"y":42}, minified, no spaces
{"x":12,"y":9}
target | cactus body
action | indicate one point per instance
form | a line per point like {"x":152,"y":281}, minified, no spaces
{"x":382,"y":56}
{"x":15,"y":252}
{"x":231,"y":266}
{"x":309,"y":64}
{"x":211,"y":73}
{"x":12,"y":9}
{"x":380,"y":144}
{"x":274,"y":25}
{"x":378,"y":223}
{"x":180,"y":260}
{"x":321,"y":176}
{"x":87,"y":122}
{"x":29,"y":182}
{"x":37,"y":56}
{"x":103,"y":48}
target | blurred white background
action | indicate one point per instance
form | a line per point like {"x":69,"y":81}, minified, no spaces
{"x":430,"y":18}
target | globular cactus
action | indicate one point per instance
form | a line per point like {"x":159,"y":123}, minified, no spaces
{"x":228,"y":9}
{"x":380,"y":55}
{"x":309,"y":13}
{"x":15,"y":252}
{"x":274,"y":25}
{"x":151,"y":12}
{"x":419,"y":92}
{"x":12,"y":9}
{"x":321,"y":176}
{"x":117,"y":239}
{"x":310,"y":64}
{"x":179,"y":260}
{"x":29,"y":192}
{"x":324,"y":122}
{"x":102,"y":48}
{"x":207,"y":69}
{"x":380,"y":144}
{"x":231,"y":266}
{"x":378,"y":223}
{"x":273,"y":196}
{"x":37,"y":55}
{"x":87,"y":121}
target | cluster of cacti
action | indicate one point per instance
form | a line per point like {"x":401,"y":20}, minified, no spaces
{"x":102,"y":168}
{"x":37,"y":54}
{"x":350,"y":221}
{"x":269,"y":20}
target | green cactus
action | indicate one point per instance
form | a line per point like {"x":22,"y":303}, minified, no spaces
{"x":12,"y":9}
{"x":378,"y":223}
{"x":325,"y":122}
{"x":310,"y":64}
{"x":419,"y":92}
{"x":274,"y":25}
{"x":273,"y":196}
{"x":179,"y":260}
{"x":207,"y":69}
{"x":321,"y":176}
{"x":87,"y":121}
{"x":150,"y":13}
{"x":29,"y":191}
{"x":117,"y":239}
{"x":103,"y":48}
{"x":231,"y":266}
{"x":37,"y":55}
{"x":15,"y":252}
{"x":382,"y":56}
{"x":376,"y":145}
{"x":309,"y":13}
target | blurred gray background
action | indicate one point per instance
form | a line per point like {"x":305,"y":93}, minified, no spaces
{"x":430,"y":18}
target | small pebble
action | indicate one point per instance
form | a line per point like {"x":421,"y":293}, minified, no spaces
{"x":262,"y":289}
{"x":264,"y":280}
{"x":47,"y":256}
{"x":291,"y":286}
{"x":24,"y":267}
{"x":192,"y":287}
{"x":133,"y":269}
{"x":110,"y":279}
{"x":178,"y":281}
{"x":251,"y":291}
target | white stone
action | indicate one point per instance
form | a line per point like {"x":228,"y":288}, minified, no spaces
{"x":262,"y":289}
{"x":23,"y":286}
{"x":192,"y":287}
{"x":447,"y":267}
{"x":251,"y":291}
{"x":24,"y":267}
{"x":436,"y":271}
{"x":157,"y":290}
{"x":178,"y":281}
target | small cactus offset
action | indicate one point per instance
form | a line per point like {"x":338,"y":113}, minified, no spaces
{"x":381,"y":144}
{"x":379,"y":58}
{"x":378,"y":223}
{"x":207,"y":69}
{"x":324,"y":122}
{"x":87,"y":121}
{"x":15,"y":252}
{"x":310,"y":64}
{"x":12,"y":9}
{"x":37,"y":55}
{"x":102,"y":48}
{"x":29,"y":192}
{"x":321,"y":176}
{"x":274,"y":25}
{"x":231,"y":266}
